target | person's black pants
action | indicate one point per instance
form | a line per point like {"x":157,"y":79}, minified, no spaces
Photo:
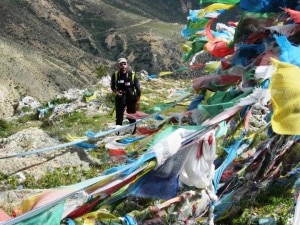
{"x":122,"y":103}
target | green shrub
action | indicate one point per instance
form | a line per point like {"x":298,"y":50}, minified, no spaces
{"x":101,"y":71}
{"x":4,"y":128}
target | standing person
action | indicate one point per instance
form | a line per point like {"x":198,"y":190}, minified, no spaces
{"x":126,"y":87}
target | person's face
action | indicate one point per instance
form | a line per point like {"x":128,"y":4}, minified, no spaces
{"x":123,"y":66}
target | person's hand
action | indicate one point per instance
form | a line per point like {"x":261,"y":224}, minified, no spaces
{"x":119,"y":93}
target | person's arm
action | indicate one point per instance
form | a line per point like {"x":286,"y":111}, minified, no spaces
{"x":137,"y":87}
{"x":113,"y":83}
{"x":138,"y":92}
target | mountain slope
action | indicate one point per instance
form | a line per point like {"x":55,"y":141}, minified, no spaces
{"x":51,"y":46}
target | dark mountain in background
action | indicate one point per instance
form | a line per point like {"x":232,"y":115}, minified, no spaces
{"x":49,"y":46}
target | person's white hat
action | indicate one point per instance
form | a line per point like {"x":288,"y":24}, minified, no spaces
{"x":122,"y":60}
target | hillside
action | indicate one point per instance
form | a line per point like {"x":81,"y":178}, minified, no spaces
{"x":51,"y":46}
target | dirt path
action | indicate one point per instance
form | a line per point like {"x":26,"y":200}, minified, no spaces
{"x":135,"y":25}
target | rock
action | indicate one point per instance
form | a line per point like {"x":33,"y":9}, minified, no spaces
{"x":37,"y":165}
{"x":28,"y":105}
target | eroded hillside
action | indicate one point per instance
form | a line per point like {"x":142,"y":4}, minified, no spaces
{"x":51,"y":46}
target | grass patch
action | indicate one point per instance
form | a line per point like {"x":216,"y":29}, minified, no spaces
{"x":8,"y":128}
{"x":77,"y":123}
{"x":275,"y":202}
{"x":60,"y":177}
{"x":4,"y":128}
